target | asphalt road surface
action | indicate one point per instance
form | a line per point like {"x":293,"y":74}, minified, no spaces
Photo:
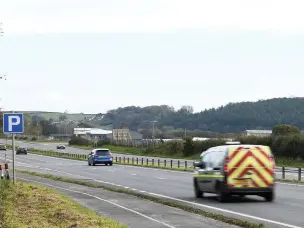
{"x":126,"y":209}
{"x":286,"y":211}
{"x":291,"y":173}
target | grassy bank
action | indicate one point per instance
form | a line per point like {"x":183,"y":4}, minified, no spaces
{"x":280,"y":161}
{"x":167,"y":202}
{"x":42,"y":140}
{"x":32,"y":206}
{"x":138,"y":151}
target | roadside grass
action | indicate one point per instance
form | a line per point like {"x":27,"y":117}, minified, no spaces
{"x":41,"y":140}
{"x":170,"y":203}
{"x":280,"y":161}
{"x":33,"y":206}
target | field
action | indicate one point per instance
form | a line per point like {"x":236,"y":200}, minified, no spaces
{"x":32,"y":206}
{"x":55,"y":115}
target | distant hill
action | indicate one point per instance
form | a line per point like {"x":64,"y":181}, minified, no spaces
{"x":56,"y":115}
{"x":234,"y":117}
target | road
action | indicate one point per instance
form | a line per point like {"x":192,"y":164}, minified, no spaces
{"x":286,"y":211}
{"x":291,"y":173}
{"x":126,"y":209}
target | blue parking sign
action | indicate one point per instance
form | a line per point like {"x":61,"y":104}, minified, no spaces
{"x":13,"y":123}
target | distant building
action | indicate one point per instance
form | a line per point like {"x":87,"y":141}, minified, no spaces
{"x":258,"y":133}
{"x":92,"y":132}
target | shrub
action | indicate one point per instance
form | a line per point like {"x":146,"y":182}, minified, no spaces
{"x":188,"y":147}
{"x":34,"y":139}
{"x":103,"y":142}
{"x":78,"y":140}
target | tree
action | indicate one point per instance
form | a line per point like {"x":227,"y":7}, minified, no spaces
{"x":188,"y":147}
{"x":63,"y":117}
{"x":187,"y":109}
{"x":284,"y":130}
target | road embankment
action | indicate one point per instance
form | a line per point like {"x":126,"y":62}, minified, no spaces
{"x":32,"y":206}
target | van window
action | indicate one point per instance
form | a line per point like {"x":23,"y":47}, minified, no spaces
{"x":217,"y":158}
{"x":206,"y":158}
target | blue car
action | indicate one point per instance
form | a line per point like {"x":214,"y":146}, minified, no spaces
{"x":100,"y":156}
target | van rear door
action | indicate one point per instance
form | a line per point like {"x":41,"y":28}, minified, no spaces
{"x":250,"y":167}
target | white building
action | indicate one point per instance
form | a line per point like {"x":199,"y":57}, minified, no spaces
{"x":92,"y":132}
{"x":259,"y":133}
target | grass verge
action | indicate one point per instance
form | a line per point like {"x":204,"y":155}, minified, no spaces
{"x":171,"y":203}
{"x":33,"y":206}
{"x":41,"y":140}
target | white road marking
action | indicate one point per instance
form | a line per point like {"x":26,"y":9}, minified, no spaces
{"x":226,"y":211}
{"x":133,"y":174}
{"x":161,"y":178}
{"x":107,"y":201}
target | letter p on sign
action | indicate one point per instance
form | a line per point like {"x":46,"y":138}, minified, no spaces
{"x":13,"y":123}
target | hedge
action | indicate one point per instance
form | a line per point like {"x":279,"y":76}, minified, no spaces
{"x":283,"y":146}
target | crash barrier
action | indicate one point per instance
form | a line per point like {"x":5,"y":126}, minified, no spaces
{"x":4,"y":172}
{"x":291,"y":173}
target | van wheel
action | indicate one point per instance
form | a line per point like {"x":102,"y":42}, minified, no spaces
{"x":269,"y":196}
{"x":220,"y":195}
{"x":197,"y":192}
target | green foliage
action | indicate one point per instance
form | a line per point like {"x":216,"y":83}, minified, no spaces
{"x":103,"y":142}
{"x":34,"y":139}
{"x":234,"y":117}
{"x":188,"y":149}
{"x":77,"y":140}
{"x":284,"y":129}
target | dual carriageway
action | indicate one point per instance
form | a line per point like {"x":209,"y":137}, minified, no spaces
{"x":286,"y":211}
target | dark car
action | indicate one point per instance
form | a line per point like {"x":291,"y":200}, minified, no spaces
{"x":61,"y":147}
{"x":21,"y":150}
{"x":100,"y":156}
{"x":2,"y":147}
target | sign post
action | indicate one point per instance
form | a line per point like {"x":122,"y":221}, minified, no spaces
{"x":13,"y":123}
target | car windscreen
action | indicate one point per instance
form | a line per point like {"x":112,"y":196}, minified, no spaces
{"x":102,"y":152}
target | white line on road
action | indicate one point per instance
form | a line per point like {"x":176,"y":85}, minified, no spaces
{"x":107,"y":201}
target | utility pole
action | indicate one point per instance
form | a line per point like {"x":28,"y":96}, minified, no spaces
{"x":153,"y":129}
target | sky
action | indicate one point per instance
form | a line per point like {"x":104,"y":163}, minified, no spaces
{"x":94,"y":55}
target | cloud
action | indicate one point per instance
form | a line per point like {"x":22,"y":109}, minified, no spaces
{"x":145,"y":16}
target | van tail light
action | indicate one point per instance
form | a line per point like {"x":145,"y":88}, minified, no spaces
{"x":226,"y":165}
{"x":272,"y":160}
{"x":96,"y":156}
{"x":226,"y":161}
{"x":110,"y":155}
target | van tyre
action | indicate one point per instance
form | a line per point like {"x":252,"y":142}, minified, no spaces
{"x":197,"y":192}
{"x":220,"y":195}
{"x":269,"y":196}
